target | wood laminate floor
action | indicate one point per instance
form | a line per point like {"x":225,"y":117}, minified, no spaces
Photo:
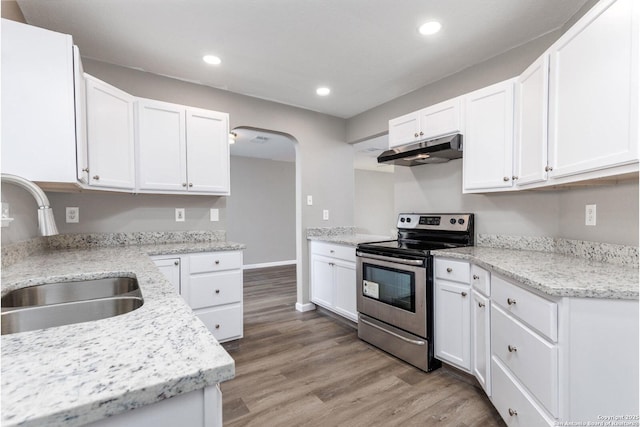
{"x":310,"y":369}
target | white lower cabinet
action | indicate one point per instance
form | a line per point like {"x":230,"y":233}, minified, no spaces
{"x":481,"y":340}
{"x":211,"y":283}
{"x":333,"y":278}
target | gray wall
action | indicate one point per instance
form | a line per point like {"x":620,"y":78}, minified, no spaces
{"x":261,"y":209}
{"x":374,"y":211}
{"x":24,"y":210}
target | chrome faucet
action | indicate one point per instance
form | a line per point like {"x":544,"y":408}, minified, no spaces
{"x":46,"y":222}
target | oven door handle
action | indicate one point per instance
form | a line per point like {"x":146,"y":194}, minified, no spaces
{"x":410,"y":341}
{"x":417,"y":262}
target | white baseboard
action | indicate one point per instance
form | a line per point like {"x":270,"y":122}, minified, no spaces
{"x":268,"y":264}
{"x":305,"y":307}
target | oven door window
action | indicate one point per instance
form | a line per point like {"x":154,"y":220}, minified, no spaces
{"x":391,"y":286}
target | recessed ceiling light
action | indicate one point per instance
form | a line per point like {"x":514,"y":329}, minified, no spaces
{"x":429,"y":28}
{"x":323,"y":91}
{"x":211,"y":59}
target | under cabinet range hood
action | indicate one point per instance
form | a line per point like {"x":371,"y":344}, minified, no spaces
{"x":437,"y":150}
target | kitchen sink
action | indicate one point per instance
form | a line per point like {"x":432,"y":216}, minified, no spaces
{"x":57,"y":304}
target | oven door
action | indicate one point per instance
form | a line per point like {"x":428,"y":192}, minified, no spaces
{"x":393,"y":291}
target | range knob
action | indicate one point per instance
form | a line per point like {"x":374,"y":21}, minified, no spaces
{"x":461,"y":221}
{"x":408,"y":219}
{"x":452,"y":220}
{"x":402,"y":219}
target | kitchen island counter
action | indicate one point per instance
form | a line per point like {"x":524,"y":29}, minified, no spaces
{"x":75,"y":374}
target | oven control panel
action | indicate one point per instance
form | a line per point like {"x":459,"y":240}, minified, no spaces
{"x":445,"y":222}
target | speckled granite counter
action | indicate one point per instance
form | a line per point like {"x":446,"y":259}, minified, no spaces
{"x":75,"y":374}
{"x":553,"y":273}
{"x":343,"y":236}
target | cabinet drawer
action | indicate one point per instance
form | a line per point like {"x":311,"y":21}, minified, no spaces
{"x":208,"y":290}
{"x":347,"y":253}
{"x":532,"y":359}
{"x":225,"y":323}
{"x":215,"y":261}
{"x":540,"y":313}
{"x":457,"y":271}
{"x":513,"y":403}
{"x":481,"y":280}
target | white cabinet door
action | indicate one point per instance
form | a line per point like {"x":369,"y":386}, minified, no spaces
{"x":404,"y":129}
{"x":207,"y":151}
{"x":593,"y":103}
{"x":170,"y":268}
{"x":161,"y":143}
{"x":481,"y":357}
{"x":82,"y":149}
{"x":441,"y":119}
{"x":322,"y":281}
{"x":532,"y":96}
{"x":110,"y":135}
{"x":488,"y":146}
{"x":452,"y":324}
{"x":345,"y":300}
{"x":38,"y":115}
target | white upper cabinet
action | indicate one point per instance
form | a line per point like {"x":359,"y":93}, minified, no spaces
{"x":532,"y":89}
{"x":38,"y":114}
{"x":208,"y":151}
{"x":488,"y":141}
{"x":110,"y":136}
{"x":82,"y":149}
{"x":594,"y":95}
{"x":437,"y":120}
{"x":182,"y":148}
{"x":161,"y":142}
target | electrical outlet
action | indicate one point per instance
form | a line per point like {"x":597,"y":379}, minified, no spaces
{"x":590,"y":215}
{"x":325,"y":214}
{"x":72,"y":215}
{"x":214,"y":215}
{"x":309,"y":200}
{"x":179,"y":214}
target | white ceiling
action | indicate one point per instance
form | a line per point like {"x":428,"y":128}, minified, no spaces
{"x":367,"y":51}
{"x":263,"y":145}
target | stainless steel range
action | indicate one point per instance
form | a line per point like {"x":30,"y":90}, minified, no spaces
{"x":395,"y":284}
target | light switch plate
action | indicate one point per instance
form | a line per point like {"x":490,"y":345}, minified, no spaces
{"x":179,"y":214}
{"x":309,"y":200}
{"x":72,"y":215}
{"x":325,"y":214}
{"x":214,"y":215}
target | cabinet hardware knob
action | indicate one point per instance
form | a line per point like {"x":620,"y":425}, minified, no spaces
{"x":449,"y":269}
{"x":514,"y":177}
{"x":217,"y":262}
{"x":415,"y":135}
{"x":217,"y":291}
{"x":505,"y":179}
{"x":184,"y":184}
{"x":513,"y":412}
{"x":548,"y":168}
{"x":217,"y":326}
{"x":464,"y":294}
{"x":476,"y":277}
{"x":480,"y":304}
{"x":191,"y":184}
{"x":421,"y":133}
{"x":511,"y":301}
{"x":85,"y":170}
{"x":512,"y":348}
{"x":176,"y":262}
{"x":331,"y":251}
{"x":96,"y":177}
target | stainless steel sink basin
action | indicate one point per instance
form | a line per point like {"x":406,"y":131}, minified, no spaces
{"x":57,"y":304}
{"x":56,"y":293}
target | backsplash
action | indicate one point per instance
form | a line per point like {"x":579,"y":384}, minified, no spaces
{"x":14,"y":252}
{"x":595,"y":251}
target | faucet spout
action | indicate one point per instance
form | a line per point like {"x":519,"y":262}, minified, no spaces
{"x":46,"y":221}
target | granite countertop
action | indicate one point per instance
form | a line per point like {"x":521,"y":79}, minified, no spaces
{"x":554,"y":274}
{"x":75,"y":374}
{"x":350,"y":239}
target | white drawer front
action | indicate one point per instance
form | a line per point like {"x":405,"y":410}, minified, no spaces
{"x":481,"y":280}
{"x":532,"y":359}
{"x":347,"y":253}
{"x":207,"y":290}
{"x":541,"y":314}
{"x":215,"y":261}
{"x":457,"y":271}
{"x":224,"y":323}
{"x":513,"y":403}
